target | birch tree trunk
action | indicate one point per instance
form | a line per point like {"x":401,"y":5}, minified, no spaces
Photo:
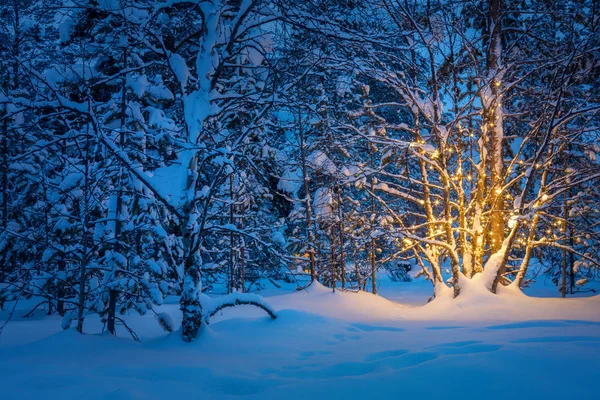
{"x":494,"y":124}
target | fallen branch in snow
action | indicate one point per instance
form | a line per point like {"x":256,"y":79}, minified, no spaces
{"x":299,"y":288}
{"x":30,"y":313}
{"x":236,"y":299}
{"x":10,"y":315}
{"x":131,"y":331}
{"x":274,"y":283}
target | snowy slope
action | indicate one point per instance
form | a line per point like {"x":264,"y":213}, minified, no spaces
{"x":322,"y":345}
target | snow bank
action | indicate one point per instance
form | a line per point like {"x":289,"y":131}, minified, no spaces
{"x":353,"y":306}
{"x":304,"y":355}
{"x":322,"y":345}
{"x":475,"y":303}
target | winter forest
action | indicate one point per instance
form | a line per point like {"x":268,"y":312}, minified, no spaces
{"x":280,"y":199}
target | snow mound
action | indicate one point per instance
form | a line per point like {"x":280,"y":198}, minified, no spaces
{"x":476,"y":302}
{"x":351,"y":306}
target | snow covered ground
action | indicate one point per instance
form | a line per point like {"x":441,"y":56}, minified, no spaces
{"x":323,"y":345}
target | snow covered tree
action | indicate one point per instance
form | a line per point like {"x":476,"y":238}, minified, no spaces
{"x":473,"y":128}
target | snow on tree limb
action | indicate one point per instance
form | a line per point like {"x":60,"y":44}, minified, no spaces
{"x":214,"y":305}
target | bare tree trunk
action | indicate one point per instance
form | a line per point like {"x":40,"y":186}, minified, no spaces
{"x":436,"y":272}
{"x":113,"y":294}
{"x":478,"y":238}
{"x":4,"y":268}
{"x":191,"y":308}
{"x":495,"y":123}
{"x":442,"y":145}
{"x":470,"y":247}
{"x":232,"y":283}
{"x":530,"y":238}
{"x":311,"y":249}
{"x":563,"y":280}
{"x":463,"y":247}
{"x":571,"y":263}
{"x":358,"y":276}
{"x":85,"y":237}
{"x":528,"y":252}
{"x":60,"y":291}
{"x":15,"y":83}
{"x":372,"y":251}
{"x":333,"y":256}
{"x":242,"y":255}
{"x":5,"y":171}
{"x":563,"y":286}
{"x":341,"y":239}
{"x":82,"y":282}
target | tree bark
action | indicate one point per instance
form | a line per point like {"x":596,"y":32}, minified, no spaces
{"x":232,"y":283}
{"x":341,"y":239}
{"x":113,"y":294}
{"x":85,"y":238}
{"x":563,"y":286}
{"x":60,"y":291}
{"x":190,"y":306}
{"x":372,"y":251}
{"x":494,"y":122}
{"x":311,"y":249}
{"x":242,"y":254}
{"x":333,"y":255}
